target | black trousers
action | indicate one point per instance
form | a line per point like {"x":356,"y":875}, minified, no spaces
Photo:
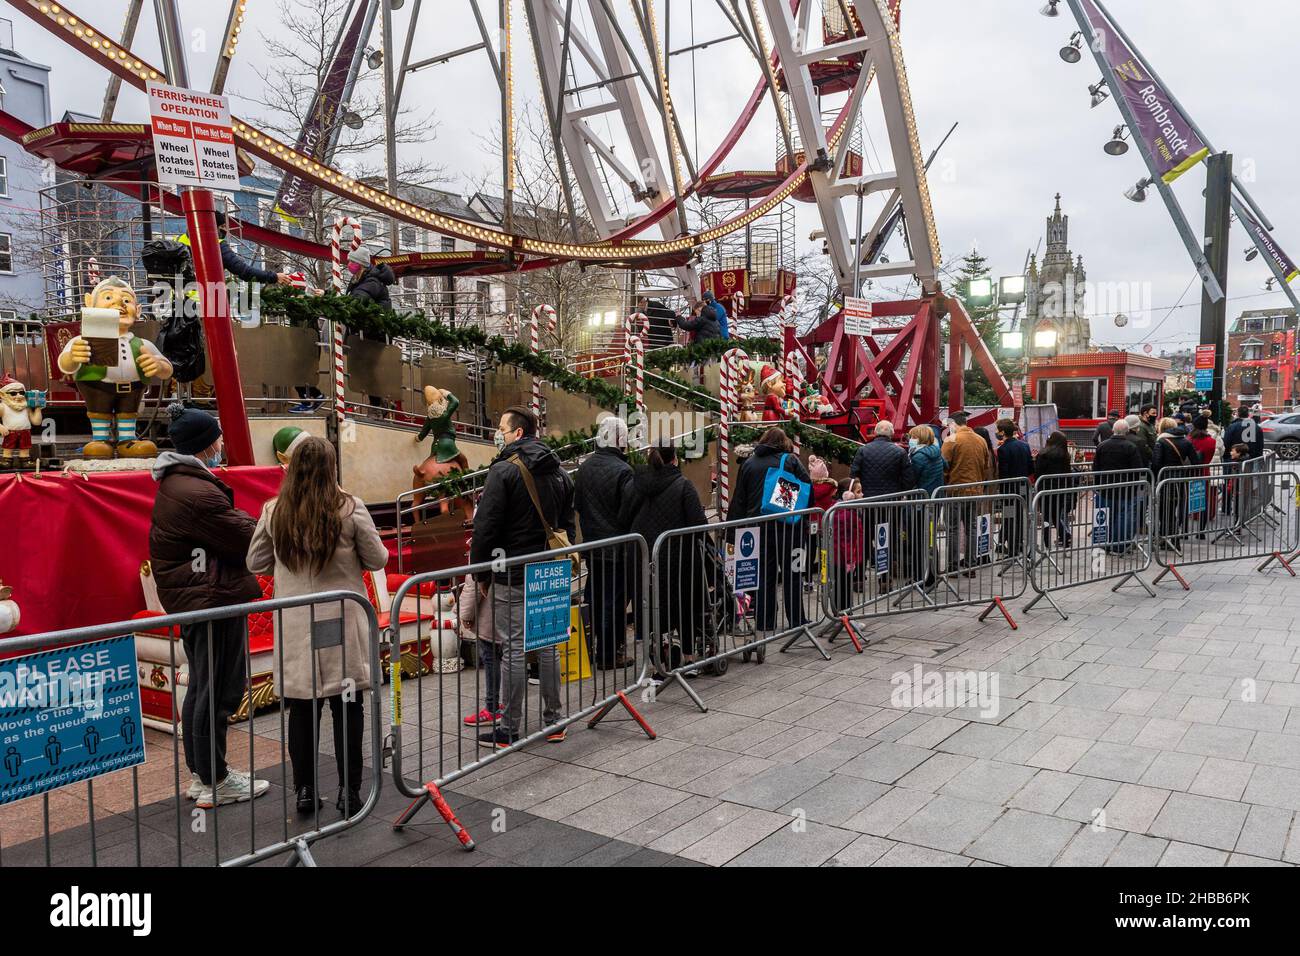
{"x":215,"y":691}
{"x":779,"y":542}
{"x":304,"y":721}
{"x":607,"y":597}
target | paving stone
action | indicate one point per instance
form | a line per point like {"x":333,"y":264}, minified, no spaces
{"x":1274,"y":787}
{"x":1226,"y":779}
{"x":1061,"y":753}
{"x":1137,"y":850}
{"x":1241,"y":859}
{"x":886,"y":763}
{"x":1115,"y":762}
{"x":988,"y":781}
{"x":935,"y":772}
{"x":776,"y":786}
{"x":1205,"y":821}
{"x":947,"y":823}
{"x":812,"y":846}
{"x":888,"y":811}
{"x":626,"y":809}
{"x":1134,"y":808}
{"x":694,"y":829}
{"x":1189,"y":854}
{"x":1089,"y":847}
{"x":1276,"y":750}
{"x":737,"y":836}
{"x":1088,"y":799}
{"x":905,"y":854}
{"x":1018,"y":838}
{"x":1172,"y":771}
{"x":980,"y":740}
{"x":1230,"y":743}
{"x":836,"y":799}
{"x":680,"y":768}
{"x":837,"y":753}
{"x":1265,"y":832}
{"x":1045,"y":792}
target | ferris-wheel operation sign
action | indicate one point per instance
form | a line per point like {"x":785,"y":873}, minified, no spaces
{"x":193,"y":143}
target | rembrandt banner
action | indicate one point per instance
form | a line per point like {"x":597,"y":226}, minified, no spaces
{"x":293,"y":199}
{"x":1170,"y":139}
{"x":1264,"y":242}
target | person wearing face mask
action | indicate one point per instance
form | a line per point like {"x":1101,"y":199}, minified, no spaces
{"x":526,"y":498}
{"x":369,"y":282}
{"x":194,"y":516}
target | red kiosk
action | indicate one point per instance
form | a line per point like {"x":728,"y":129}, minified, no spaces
{"x":1087,"y":385}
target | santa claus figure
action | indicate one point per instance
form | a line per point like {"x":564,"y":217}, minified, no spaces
{"x":113,"y":382}
{"x":17,"y":416}
{"x":772,"y":385}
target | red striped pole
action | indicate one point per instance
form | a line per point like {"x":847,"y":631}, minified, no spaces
{"x":336,"y":332}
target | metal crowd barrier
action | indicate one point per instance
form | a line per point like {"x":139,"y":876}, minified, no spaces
{"x":898,"y":554}
{"x":1089,"y":527}
{"x":729,"y":589}
{"x":1237,"y":515}
{"x":160,"y":817}
{"x":561,"y":615}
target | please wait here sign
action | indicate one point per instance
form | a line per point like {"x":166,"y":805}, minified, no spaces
{"x":192,"y":139}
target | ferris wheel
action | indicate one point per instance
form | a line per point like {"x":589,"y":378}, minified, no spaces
{"x":608,"y":91}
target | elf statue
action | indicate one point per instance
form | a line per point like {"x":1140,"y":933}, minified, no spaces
{"x":772,"y":386}
{"x":18,"y":413}
{"x":113,"y":391}
{"x":285,"y":441}
{"x":444,"y":457}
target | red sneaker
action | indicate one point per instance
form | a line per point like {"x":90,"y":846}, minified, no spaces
{"x":484,"y":716}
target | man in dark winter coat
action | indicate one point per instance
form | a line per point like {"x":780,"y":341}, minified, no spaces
{"x":198,"y":541}
{"x":1115,"y":460}
{"x":881,"y":466}
{"x":783,"y":545}
{"x":703,"y":323}
{"x":1245,"y":430}
{"x":602,"y":487}
{"x":1015,"y":461}
{"x":508,"y":524}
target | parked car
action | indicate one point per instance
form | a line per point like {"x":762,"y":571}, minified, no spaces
{"x":1283,"y":432}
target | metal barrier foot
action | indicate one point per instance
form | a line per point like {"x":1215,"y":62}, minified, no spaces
{"x":997,"y":603}
{"x":1277,"y":556}
{"x":1174,"y":571}
{"x":301,"y":855}
{"x":433,"y":795}
{"x":622,"y":698}
{"x":1136,"y":577}
{"x":812,"y":638}
{"x":1041,"y":595}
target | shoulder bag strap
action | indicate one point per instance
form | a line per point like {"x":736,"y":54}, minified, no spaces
{"x":532,"y":491}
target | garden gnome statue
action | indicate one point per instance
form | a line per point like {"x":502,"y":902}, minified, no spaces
{"x":112,"y":373}
{"x":18,"y":413}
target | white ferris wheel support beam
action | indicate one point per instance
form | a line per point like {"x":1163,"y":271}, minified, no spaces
{"x":807,"y":112}
{"x":556,"y":38}
{"x":904,"y":143}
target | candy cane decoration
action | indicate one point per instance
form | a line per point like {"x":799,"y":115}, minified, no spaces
{"x":638,"y":367}
{"x":536,"y":405}
{"x":794,"y":376}
{"x":737,"y":303}
{"x":336,"y":332}
{"x":551,"y":318}
{"x":732,"y":361}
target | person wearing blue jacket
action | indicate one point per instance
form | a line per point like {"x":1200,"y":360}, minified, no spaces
{"x":720,"y":312}
{"x":927,"y":459}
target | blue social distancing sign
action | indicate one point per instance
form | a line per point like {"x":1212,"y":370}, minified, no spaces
{"x":745,"y":560}
{"x":547,"y":590}
{"x":983,"y":536}
{"x":68,"y":715}
{"x":1101,"y":526}
{"x":1196,"y":497}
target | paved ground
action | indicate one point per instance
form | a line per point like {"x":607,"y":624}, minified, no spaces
{"x":1141,"y":731}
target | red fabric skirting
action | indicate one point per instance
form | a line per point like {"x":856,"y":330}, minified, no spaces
{"x":72,"y":546}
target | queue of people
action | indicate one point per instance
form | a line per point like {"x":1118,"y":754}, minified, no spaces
{"x":313,"y":537}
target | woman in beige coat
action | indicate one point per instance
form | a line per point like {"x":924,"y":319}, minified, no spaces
{"x":315,"y":537}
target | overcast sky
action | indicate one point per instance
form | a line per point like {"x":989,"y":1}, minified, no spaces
{"x":1026,"y":130}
